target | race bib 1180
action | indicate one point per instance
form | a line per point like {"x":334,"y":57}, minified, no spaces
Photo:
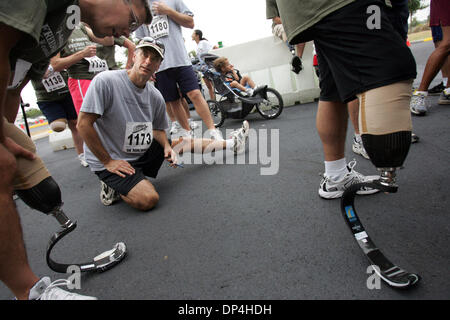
{"x":159,"y":27}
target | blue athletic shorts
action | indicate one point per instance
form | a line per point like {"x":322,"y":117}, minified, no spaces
{"x":436,"y":32}
{"x":61,"y":109}
{"x":168,"y":82}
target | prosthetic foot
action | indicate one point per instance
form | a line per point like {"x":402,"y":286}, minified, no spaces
{"x":46,"y":197}
{"x":386,"y":134}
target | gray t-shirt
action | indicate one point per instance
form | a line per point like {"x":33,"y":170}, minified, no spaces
{"x":169,"y":33}
{"x":128,"y":115}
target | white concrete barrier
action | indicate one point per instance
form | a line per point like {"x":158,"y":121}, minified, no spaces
{"x":61,"y":140}
{"x":268,"y":61}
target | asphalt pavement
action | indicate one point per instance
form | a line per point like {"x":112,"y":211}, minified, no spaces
{"x":228,"y":232}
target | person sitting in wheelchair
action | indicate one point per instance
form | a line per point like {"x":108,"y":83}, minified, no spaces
{"x":233,"y":78}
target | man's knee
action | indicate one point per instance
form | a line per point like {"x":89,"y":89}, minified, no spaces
{"x":194,"y":95}
{"x":147,"y":201}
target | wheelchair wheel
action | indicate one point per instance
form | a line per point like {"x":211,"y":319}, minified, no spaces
{"x":271,"y":107}
{"x":216,"y":113}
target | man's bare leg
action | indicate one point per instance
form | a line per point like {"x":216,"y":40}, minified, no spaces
{"x":15,"y":271}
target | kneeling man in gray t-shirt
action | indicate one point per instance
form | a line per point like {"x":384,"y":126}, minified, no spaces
{"x":123,"y":121}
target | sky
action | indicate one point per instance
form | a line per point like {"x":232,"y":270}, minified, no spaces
{"x":230,"y":21}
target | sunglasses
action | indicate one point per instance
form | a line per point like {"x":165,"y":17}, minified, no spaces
{"x":135,"y":23}
{"x":154,"y":41}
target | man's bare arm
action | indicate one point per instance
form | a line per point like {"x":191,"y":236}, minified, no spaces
{"x":87,"y":131}
{"x":182,"y":19}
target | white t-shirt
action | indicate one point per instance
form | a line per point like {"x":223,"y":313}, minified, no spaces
{"x":203,"y":47}
{"x":169,"y":33}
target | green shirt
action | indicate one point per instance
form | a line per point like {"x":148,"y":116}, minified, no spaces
{"x":78,"y":40}
{"x":108,"y":52}
{"x":298,"y":16}
{"x":43,"y":94}
{"x":45,"y":24}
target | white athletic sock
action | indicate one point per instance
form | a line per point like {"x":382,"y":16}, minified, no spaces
{"x":230,"y":144}
{"x":336,"y":170}
{"x":357,"y":137}
{"x":445,"y":81}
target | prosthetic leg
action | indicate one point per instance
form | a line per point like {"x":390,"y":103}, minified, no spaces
{"x":46,"y":197}
{"x":385,"y":125}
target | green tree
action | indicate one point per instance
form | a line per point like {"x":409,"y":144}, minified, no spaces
{"x":414,"y":6}
{"x":33,"y":113}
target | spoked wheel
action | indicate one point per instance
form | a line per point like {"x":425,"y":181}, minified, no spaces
{"x":216,"y":113}
{"x":272,"y":106}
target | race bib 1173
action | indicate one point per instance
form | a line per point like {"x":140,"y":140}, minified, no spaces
{"x":138,"y":137}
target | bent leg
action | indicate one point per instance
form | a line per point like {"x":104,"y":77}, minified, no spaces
{"x":142,"y":196}
{"x":202,"y":108}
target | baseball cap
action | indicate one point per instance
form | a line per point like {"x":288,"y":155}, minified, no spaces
{"x":152,"y":43}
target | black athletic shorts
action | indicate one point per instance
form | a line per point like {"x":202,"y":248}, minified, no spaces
{"x":354,"y":58}
{"x":147,"y":165}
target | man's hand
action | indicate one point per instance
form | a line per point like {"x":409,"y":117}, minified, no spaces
{"x":160,"y":8}
{"x":17,"y":150}
{"x":120,"y":167}
{"x":171,"y":156}
{"x":89,"y":51}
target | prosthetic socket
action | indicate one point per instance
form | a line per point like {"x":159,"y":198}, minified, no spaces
{"x":385,"y":126}
{"x":46,"y":197}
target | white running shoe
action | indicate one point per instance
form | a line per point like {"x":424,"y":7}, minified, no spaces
{"x":44,"y":289}
{"x":418,"y":105}
{"x":182,"y":133}
{"x":214,"y":134}
{"x":175,"y":127}
{"x":240,"y":138}
{"x":358,"y":148}
{"x":108,"y":195}
{"x":193,"y":124}
{"x":83,"y":160}
{"x":334,"y":189}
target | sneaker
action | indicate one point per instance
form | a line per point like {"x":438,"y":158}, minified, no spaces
{"x":215,"y":134}
{"x":183,"y":133}
{"x":44,"y":289}
{"x":107,"y":194}
{"x":334,"y":189}
{"x":175,"y":127}
{"x":418,"y":104}
{"x":444,"y":98}
{"x":414,"y":137}
{"x":249,"y":92}
{"x":83,"y":160}
{"x":436,"y":89}
{"x":193,"y":124}
{"x":240,"y":138}
{"x":297,"y":65}
{"x":358,"y":148}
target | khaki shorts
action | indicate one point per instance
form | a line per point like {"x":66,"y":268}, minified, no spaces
{"x":29,"y":172}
